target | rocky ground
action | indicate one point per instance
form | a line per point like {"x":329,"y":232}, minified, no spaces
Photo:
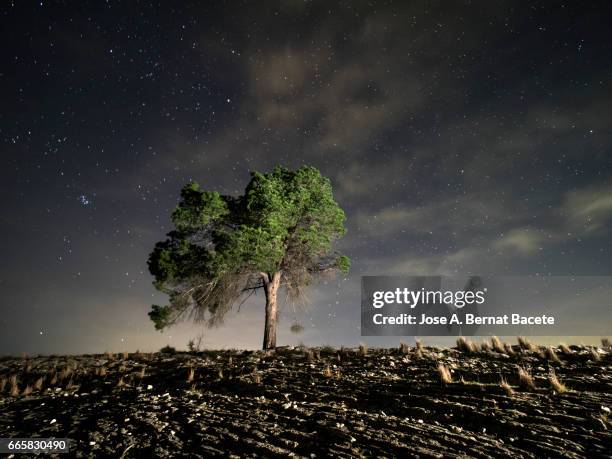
{"x":316,"y":402}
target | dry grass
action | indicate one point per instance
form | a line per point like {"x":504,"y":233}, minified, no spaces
{"x":101,"y":371}
{"x":552,"y":355}
{"x":605,"y":343}
{"x":53,"y":381}
{"x":444,"y":374}
{"x":484,"y":346}
{"x":256,"y":376}
{"x":404,"y":348}
{"x":3,"y":382}
{"x":38,"y":385}
{"x":525,"y":379}
{"x":27,"y":391}
{"x":497,"y":345}
{"x":556,"y":385}
{"x":565,"y":350}
{"x":508,"y":349}
{"x":121,"y":383}
{"x":525,"y":344}
{"x":363,"y":350}
{"x":595,"y":357}
{"x":310,"y":356}
{"x":109,"y":355}
{"x":418,"y":354}
{"x":65,"y":373}
{"x":125,"y":355}
{"x":506,"y":387}
{"x":142,"y":372}
{"x":327,"y":371}
{"x":220,"y":374}
{"x":190,"y":374}
{"x":466,"y":345}
{"x":14,"y":386}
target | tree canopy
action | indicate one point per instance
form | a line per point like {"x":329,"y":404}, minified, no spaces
{"x":225,"y":247}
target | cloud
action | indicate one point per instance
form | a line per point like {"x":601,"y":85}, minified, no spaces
{"x":525,"y":241}
{"x":589,"y":209}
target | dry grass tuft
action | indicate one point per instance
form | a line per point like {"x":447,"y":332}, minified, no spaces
{"x":466,"y":345}
{"x":3,"y":382}
{"x":595,"y":357}
{"x":310,"y":356}
{"x":14,"y":390}
{"x":66,"y":371}
{"x":190,"y":374}
{"x":38,"y":385}
{"x":485,"y":347}
{"x":220,"y":374}
{"x":605,"y":343}
{"x":508,"y":349}
{"x":497,"y":345}
{"x":506,"y":387}
{"x":125,"y":355}
{"x":363,"y":350}
{"x":141,"y":373}
{"x":557,"y":385}
{"x":121,"y":383}
{"x":565,"y":349}
{"x":525,"y":344}
{"x":101,"y":371}
{"x":525,"y":379}
{"x":53,"y":381}
{"x":27,"y":391}
{"x":445,"y":374}
{"x":109,"y":355}
{"x":404,"y":348}
{"x":256,"y":376}
{"x":418,"y":354}
{"x":327,"y":372}
{"x":552,"y":355}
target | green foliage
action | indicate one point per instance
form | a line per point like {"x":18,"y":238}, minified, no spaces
{"x":286,"y":221}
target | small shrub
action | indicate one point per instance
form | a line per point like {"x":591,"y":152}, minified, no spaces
{"x":404,"y":348}
{"x":445,"y":375}
{"x":363,"y":350}
{"x":525,"y":379}
{"x":167,"y":350}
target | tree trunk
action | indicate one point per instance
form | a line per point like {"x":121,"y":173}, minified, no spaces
{"x":271,"y":289}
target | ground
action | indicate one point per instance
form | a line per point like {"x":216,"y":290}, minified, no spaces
{"x":315,"y":403}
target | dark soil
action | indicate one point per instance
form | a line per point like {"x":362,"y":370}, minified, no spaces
{"x":313,"y":403}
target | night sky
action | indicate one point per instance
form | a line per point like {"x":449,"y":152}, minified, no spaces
{"x":460,"y":138}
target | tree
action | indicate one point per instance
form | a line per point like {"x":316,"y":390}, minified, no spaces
{"x":225,"y":248}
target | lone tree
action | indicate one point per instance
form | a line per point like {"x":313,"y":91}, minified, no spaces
{"x":225,"y":248}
